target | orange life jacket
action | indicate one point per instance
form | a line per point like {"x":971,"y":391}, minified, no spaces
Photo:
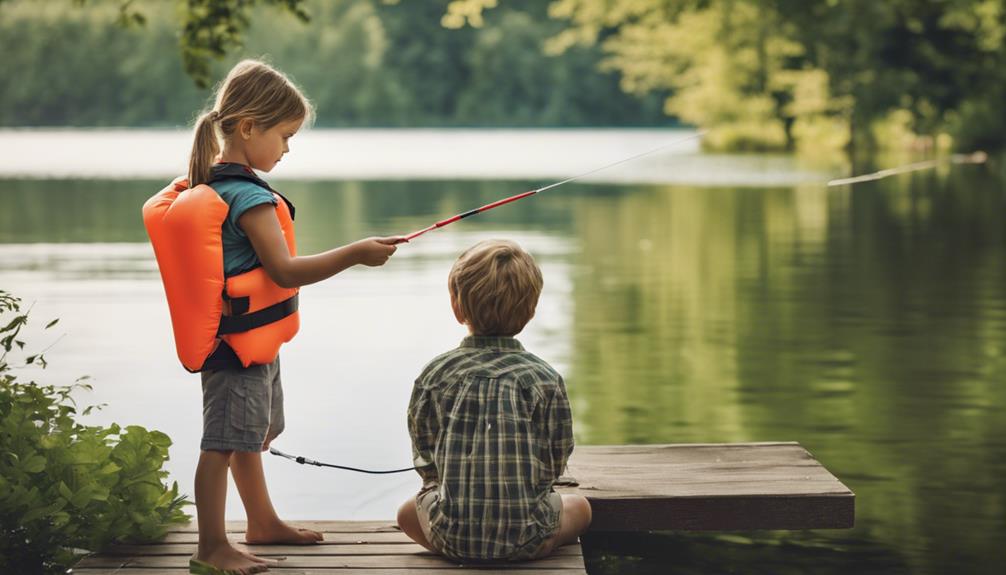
{"x":218,"y":322}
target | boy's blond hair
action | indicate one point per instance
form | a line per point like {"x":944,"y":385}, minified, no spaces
{"x":253,"y":90}
{"x":495,"y":285}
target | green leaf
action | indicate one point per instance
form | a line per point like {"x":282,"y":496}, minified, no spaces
{"x":109,"y":468}
{"x":32,"y":515}
{"x":160,"y":439}
{"x":56,"y":506}
{"x":34,"y":464}
{"x":52,"y":323}
{"x":60,"y":519}
{"x":164,"y":500}
{"x":82,"y":497}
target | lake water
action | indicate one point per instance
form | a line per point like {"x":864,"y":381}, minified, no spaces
{"x":690,"y":298}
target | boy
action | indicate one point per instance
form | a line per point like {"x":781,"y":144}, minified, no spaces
{"x":490,"y":425}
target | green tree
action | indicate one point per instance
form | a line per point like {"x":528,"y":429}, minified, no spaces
{"x":209,"y":29}
{"x":784,"y":73}
{"x":362,"y":62}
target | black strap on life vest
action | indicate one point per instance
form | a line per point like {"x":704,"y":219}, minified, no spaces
{"x":223,"y":357}
{"x":226,"y":171}
{"x":240,"y":321}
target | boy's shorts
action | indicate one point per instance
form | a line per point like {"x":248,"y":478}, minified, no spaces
{"x":531,"y":550}
{"x":242,"y":408}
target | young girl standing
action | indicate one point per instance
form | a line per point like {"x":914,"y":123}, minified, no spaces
{"x":225,"y":247}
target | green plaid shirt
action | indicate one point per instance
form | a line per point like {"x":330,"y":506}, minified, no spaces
{"x":491,"y":431}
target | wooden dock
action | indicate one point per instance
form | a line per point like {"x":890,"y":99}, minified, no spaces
{"x":709,"y":487}
{"x":631,"y":488}
{"x":350,"y":548}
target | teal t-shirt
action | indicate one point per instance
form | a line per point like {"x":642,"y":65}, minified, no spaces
{"x":240,"y":195}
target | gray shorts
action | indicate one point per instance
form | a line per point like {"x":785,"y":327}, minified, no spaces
{"x":242,"y":408}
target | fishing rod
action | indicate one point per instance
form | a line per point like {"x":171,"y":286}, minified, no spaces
{"x":978,"y":157}
{"x":305,"y":461}
{"x":526,"y":194}
{"x":974,"y":158}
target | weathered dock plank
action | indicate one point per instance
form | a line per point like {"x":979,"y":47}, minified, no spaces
{"x":451,"y":569}
{"x":324,"y":548}
{"x":412,"y":561}
{"x":350,"y":547}
{"x":331,"y":537}
{"x":719,"y":487}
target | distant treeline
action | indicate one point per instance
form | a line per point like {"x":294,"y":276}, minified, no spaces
{"x":805,"y":74}
{"x":362,"y":62}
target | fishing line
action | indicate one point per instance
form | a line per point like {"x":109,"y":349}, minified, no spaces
{"x":973,"y":158}
{"x":305,"y":461}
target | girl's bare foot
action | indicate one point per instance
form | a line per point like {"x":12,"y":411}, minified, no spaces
{"x":227,"y":557}
{"x":281,"y":533}
{"x":273,"y":562}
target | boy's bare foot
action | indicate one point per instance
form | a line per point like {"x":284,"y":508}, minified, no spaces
{"x":227,"y":557}
{"x":281,"y":533}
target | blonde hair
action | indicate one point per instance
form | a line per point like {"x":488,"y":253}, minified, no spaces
{"x":495,"y":284}
{"x":253,"y":90}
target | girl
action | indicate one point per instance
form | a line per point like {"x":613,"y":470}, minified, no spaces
{"x":230,"y":323}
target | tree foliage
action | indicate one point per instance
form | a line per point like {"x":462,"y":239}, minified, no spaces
{"x":785,"y":73}
{"x":362,"y":62}
{"x":766,"y":74}
{"x":213,"y":28}
{"x":209,"y":29}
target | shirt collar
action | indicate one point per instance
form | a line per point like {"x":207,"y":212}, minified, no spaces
{"x":492,"y":341}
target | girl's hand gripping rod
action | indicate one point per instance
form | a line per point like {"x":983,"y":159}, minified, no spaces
{"x":499,"y":203}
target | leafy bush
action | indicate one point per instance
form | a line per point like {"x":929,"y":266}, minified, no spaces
{"x":67,"y":488}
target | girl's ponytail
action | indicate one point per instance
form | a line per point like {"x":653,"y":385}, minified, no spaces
{"x":254,"y":91}
{"x":205,"y":149}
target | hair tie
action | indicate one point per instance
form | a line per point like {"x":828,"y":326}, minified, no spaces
{"x":213,"y":115}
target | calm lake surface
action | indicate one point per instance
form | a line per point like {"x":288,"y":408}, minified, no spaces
{"x":699,"y":298}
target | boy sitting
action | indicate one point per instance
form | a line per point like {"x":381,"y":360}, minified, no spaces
{"x":491,"y":426}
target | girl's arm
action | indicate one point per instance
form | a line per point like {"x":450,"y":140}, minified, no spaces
{"x":261,"y":226}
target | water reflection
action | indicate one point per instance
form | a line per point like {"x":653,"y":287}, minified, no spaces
{"x":869,"y":324}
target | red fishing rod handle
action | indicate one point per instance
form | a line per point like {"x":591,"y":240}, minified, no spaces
{"x":484,"y":208}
